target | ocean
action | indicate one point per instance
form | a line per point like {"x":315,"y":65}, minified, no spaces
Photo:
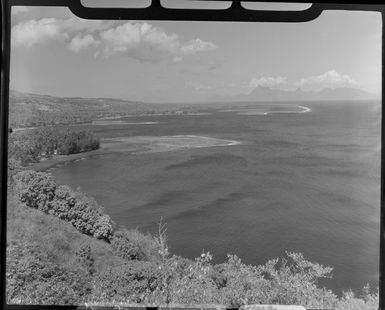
{"x":303,"y":179}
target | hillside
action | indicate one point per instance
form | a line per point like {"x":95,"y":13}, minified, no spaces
{"x":50,"y":262}
{"x":29,"y":110}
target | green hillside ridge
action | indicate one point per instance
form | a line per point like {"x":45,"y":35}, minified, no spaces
{"x":31,"y":110}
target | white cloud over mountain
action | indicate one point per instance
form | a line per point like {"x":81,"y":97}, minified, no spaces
{"x":138,"y":40}
{"x":329,"y":79}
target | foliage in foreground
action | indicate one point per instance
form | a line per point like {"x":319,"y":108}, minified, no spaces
{"x":40,"y":191}
{"x":49,"y":262}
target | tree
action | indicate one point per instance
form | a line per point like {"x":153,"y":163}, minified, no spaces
{"x":84,"y":257}
{"x":35,"y":189}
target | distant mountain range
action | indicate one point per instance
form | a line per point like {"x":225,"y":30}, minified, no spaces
{"x":261,"y":93}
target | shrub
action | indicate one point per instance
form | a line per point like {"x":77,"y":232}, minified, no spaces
{"x":40,"y":191}
{"x":133,"y":245}
{"x":103,"y":228}
{"x":33,"y":279}
{"x":368,"y":301}
{"x":129,"y":282}
{"x":84,"y":257}
{"x":35,"y":189}
{"x":195,"y":286}
{"x":294,"y":280}
{"x":239,"y":284}
{"x":22,"y":147}
{"x":14,"y":167}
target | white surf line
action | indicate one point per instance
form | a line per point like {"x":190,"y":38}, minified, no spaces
{"x":213,"y":142}
{"x":123,"y":123}
{"x":227,"y":142}
{"x":232,"y":142}
{"x":304,"y":109}
{"x":141,"y":123}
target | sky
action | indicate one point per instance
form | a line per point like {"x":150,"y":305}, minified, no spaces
{"x":54,"y":52}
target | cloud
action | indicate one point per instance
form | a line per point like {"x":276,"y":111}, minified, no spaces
{"x":140,"y":40}
{"x":78,"y":43}
{"x":145,"y":42}
{"x":34,"y":32}
{"x":40,"y":31}
{"x":329,"y":79}
{"x":76,"y":24}
{"x":197,"y":45}
{"x":19,"y":9}
{"x":271,"y":82}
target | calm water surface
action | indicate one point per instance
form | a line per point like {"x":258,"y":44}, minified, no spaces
{"x":307,"y":182}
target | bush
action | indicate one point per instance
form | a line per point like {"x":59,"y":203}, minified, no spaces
{"x":84,"y":257}
{"x":133,"y":245}
{"x":22,"y":147}
{"x":33,"y":279}
{"x":194,"y":286}
{"x":294,"y":280}
{"x":368,"y":301}
{"x":103,"y":228}
{"x":14,"y":167}
{"x":40,"y":191}
{"x":239,"y":284}
{"x":129,"y":282}
{"x":35,"y":189}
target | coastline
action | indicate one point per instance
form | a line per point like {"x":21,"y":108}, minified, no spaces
{"x":264,"y":110}
{"x":136,"y":145}
{"x":60,"y":160}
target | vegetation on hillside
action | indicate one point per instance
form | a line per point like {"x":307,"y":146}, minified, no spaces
{"x":32,"y":110}
{"x":50,"y":262}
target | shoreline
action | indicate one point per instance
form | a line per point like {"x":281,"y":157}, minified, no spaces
{"x":60,"y":160}
{"x":135,"y":145}
{"x":299,"y":109}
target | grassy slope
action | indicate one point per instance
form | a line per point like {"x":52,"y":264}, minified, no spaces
{"x":57,"y":238}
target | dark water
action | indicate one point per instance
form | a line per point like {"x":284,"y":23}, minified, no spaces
{"x":307,"y":182}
